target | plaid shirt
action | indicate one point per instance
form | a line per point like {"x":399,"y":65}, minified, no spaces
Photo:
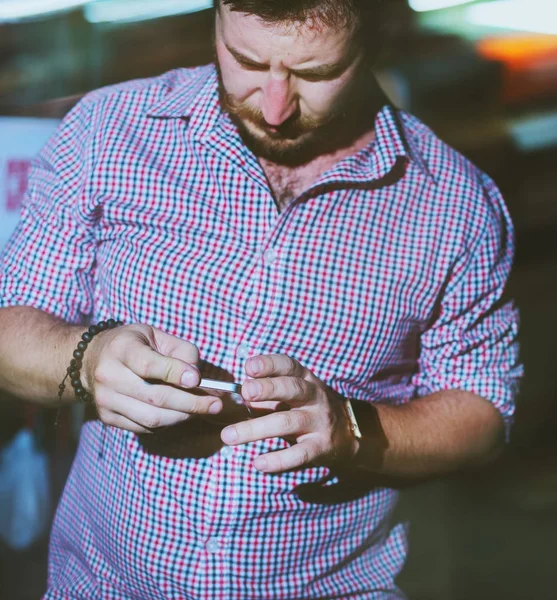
{"x":384,"y":279}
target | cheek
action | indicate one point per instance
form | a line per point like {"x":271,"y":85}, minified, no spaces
{"x":318,"y":99}
{"x":238,"y":82}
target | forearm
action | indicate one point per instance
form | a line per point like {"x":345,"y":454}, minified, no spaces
{"x":35,"y":351}
{"x":430,"y":436}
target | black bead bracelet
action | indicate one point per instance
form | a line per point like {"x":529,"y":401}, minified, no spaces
{"x":74,"y":370}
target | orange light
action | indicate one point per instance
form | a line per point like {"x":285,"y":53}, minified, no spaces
{"x":530,"y":64}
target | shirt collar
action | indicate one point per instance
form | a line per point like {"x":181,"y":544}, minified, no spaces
{"x":195,"y":97}
{"x":395,"y":140}
{"x":392,"y":147}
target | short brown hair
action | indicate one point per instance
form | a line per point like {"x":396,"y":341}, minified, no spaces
{"x":365,"y":15}
{"x":328,"y":12}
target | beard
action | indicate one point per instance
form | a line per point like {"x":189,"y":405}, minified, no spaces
{"x":301,"y":138}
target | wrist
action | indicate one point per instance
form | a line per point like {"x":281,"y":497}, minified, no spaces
{"x":75,"y":368}
{"x":90,"y":360}
{"x":371,"y":444}
{"x":352,"y":420}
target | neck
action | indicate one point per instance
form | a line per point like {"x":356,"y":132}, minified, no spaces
{"x":290,"y":182}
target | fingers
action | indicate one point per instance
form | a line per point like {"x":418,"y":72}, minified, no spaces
{"x":299,"y":455}
{"x":169,"y":345}
{"x":143,"y":402}
{"x":274,"y":365}
{"x":117,"y":408}
{"x":316,"y":421}
{"x":281,"y":424}
{"x":292,"y":390}
{"x":150,"y":364}
{"x":292,"y":423}
{"x":125,"y":362}
{"x":279,"y":378}
{"x":169,"y":397}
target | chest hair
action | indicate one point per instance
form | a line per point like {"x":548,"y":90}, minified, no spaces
{"x":288,"y":183}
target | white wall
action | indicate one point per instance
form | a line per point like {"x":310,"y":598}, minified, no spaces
{"x":20,"y":139}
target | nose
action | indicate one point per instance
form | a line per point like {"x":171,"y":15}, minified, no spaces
{"x":278,"y":103}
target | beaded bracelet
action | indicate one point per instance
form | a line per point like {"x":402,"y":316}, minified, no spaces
{"x":73,"y":371}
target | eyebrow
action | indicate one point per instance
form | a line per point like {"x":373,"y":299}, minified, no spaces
{"x":326,"y":70}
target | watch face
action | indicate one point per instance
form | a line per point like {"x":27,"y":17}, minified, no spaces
{"x":354,"y":426}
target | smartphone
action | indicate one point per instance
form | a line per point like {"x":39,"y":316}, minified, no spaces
{"x":223,"y":386}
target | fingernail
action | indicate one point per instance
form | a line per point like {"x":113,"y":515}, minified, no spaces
{"x":256,"y":366}
{"x":261,"y":463}
{"x":189,"y":379}
{"x":215,"y":408}
{"x":229,"y":435}
{"x":253,"y":389}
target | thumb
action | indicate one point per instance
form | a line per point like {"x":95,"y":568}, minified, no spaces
{"x":174,"y":347}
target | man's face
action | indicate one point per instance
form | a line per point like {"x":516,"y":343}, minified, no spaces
{"x":285,"y":85}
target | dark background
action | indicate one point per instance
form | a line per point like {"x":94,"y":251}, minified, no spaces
{"x":490,"y":92}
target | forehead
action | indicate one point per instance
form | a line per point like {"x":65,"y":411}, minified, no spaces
{"x":301,"y":42}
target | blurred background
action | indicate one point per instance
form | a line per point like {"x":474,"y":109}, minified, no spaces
{"x":483,"y":75}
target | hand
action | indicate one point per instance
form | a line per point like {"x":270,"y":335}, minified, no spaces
{"x":316,"y":419}
{"x":118,"y":365}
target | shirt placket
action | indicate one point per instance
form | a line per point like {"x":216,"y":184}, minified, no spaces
{"x":258,"y":295}
{"x":260,"y":303}
{"x":227,"y":481}
{"x":234,"y":494}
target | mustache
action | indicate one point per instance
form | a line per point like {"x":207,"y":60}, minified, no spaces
{"x":296,"y":125}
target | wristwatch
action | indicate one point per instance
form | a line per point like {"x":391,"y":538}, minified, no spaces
{"x":354,"y":427}
{"x":369,"y":433}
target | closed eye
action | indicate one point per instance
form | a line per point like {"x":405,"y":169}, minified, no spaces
{"x":321,"y":73}
{"x":245,"y":62}
{"x":318,"y":75}
{"x":252,"y":66}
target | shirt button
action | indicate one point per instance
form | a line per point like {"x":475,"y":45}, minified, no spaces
{"x":243,"y":351}
{"x":212,"y":546}
{"x":227,"y":452}
{"x":269,"y":257}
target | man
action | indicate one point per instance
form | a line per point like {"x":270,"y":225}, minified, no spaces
{"x":276,"y":223}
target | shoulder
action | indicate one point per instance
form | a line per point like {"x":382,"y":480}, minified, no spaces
{"x":111,"y":120}
{"x":133,"y":99}
{"x":103,"y":117}
{"x":466,"y":196}
{"x":446,"y":165}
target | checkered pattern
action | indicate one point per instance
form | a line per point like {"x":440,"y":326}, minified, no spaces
{"x":385,"y":279}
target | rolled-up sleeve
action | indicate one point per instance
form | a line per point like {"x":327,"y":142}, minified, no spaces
{"x":472,"y":344}
{"x":49,"y":261}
